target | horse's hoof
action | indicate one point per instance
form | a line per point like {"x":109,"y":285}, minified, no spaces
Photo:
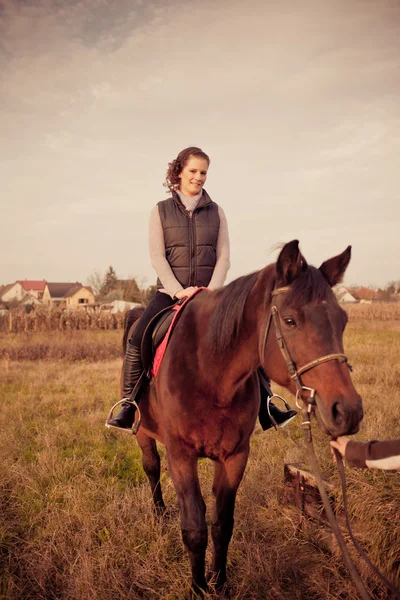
{"x":222,"y":589}
{"x":160,"y":511}
{"x":197,"y":592}
{"x":196,"y":595}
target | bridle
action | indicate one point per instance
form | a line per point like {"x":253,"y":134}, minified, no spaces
{"x":294,"y":372}
{"x":306,"y":408}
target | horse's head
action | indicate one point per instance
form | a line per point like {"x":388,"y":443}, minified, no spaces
{"x":312,"y":323}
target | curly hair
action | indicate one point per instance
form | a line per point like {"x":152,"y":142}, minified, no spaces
{"x":175,"y":167}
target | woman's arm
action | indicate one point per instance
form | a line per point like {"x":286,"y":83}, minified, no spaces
{"x":223,"y":254}
{"x":157,"y":255}
{"x":374,"y":454}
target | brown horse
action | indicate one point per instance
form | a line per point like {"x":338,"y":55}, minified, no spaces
{"x":206,"y":398}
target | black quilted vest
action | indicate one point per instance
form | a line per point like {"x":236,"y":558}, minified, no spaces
{"x":190,"y":242}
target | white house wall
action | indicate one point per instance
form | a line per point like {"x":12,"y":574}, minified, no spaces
{"x":17,"y":292}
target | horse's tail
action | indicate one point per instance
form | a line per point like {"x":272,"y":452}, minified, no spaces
{"x":130,"y":318}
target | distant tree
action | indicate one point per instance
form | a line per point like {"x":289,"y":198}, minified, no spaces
{"x":131,"y":291}
{"x":108,"y":287}
{"x":95,"y":280}
{"x":394,"y":286}
{"x":110,"y":282}
{"x":150,"y":292}
{"x":382,"y":295}
{"x":390,"y":289}
{"x":113,"y":295}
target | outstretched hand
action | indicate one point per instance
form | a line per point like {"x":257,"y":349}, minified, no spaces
{"x":339,"y":444}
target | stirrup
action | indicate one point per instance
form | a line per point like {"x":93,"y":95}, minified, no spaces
{"x":130,"y":430}
{"x":287,"y":406}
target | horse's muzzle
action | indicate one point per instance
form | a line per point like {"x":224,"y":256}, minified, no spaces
{"x":341,"y":417}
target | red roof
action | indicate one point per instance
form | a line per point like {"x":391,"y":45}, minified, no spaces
{"x":365,"y":293}
{"x":28,"y":285}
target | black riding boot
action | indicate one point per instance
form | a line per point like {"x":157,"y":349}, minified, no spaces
{"x":281,"y":417}
{"x":132,"y":371}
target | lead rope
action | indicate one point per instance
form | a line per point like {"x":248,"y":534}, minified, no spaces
{"x":331,"y":516}
{"x":364,"y":556}
{"x":306,"y":425}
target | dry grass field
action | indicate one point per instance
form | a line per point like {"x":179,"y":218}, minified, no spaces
{"x":76,"y":519}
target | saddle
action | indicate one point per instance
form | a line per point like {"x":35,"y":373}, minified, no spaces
{"x":154,"y":335}
{"x":157,"y":333}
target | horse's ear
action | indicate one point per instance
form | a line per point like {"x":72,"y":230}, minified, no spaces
{"x":290,"y":263}
{"x":334,"y":268}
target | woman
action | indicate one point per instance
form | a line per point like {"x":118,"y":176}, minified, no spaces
{"x":189,"y":248}
{"x":373,"y":455}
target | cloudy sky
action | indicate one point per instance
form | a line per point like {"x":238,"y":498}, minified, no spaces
{"x":296,"y":102}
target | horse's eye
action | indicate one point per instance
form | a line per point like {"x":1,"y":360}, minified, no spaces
{"x":289,"y":322}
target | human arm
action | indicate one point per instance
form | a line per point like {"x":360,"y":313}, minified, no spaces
{"x":373,"y":455}
{"x":157,"y":255}
{"x":223,"y":253}
{"x":159,"y":262}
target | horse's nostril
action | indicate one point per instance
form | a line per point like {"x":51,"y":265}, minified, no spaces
{"x":337,"y":413}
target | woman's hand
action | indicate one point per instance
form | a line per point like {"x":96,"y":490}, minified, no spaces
{"x":340,"y":444}
{"x":186,"y":292}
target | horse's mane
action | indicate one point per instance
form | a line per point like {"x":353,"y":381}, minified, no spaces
{"x":226,"y":320}
{"x":228,"y":315}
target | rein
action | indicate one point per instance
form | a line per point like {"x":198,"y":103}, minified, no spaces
{"x":306,"y":425}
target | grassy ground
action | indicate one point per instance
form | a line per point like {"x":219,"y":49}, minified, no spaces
{"x":76,"y":519}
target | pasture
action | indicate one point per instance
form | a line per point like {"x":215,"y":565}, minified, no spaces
{"x":76,"y":519}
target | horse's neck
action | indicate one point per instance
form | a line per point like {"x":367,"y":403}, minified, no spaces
{"x":243,"y":358}
{"x":247,"y":355}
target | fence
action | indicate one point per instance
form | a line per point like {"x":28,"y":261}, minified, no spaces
{"x":377,"y":311}
{"x":43,"y":319}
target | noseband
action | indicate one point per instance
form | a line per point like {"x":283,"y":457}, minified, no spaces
{"x":293,"y":371}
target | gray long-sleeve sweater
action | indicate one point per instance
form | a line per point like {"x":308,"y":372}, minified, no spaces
{"x":157,"y":249}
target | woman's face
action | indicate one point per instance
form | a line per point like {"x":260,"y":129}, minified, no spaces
{"x":193,"y":176}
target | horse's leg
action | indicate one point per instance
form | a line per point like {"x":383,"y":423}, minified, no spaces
{"x":151,"y":466}
{"x":183,"y":469}
{"x":227,"y":477}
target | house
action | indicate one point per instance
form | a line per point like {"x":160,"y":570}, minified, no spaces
{"x":118,"y":306}
{"x":347,"y":298}
{"x":30,"y":300}
{"x":3,"y":306}
{"x":22,"y":288}
{"x":67,"y":295}
{"x":35,"y":288}
{"x":13,"y":292}
{"x":343,"y":295}
{"x":365,"y":293}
